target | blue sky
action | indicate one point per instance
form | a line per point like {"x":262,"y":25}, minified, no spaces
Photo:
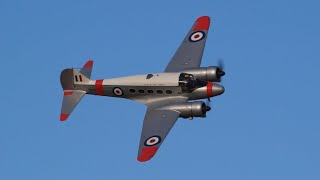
{"x":265,"y":126}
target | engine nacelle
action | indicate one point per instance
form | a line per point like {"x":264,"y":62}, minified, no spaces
{"x":211,"y":73}
{"x":188,"y":109}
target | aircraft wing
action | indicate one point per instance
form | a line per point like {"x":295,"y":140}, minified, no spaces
{"x":156,"y":126}
{"x":189,"y":54}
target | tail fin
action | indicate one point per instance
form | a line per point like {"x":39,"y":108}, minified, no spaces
{"x":87,"y":68}
{"x":72,"y":96}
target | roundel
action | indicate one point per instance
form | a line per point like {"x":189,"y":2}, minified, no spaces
{"x":117,"y":91}
{"x":153,"y":140}
{"x":196,"y":36}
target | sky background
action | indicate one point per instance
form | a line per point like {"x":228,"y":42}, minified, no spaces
{"x":265,"y":126}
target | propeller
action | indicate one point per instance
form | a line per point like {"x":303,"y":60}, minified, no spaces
{"x":208,"y":102}
{"x":220,"y":71}
{"x":205,"y":108}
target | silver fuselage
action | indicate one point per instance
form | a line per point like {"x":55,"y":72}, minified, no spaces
{"x":147,"y":88}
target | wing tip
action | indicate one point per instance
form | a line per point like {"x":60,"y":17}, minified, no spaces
{"x":147,"y":153}
{"x":203,"y":23}
{"x":64,"y":117}
{"x":88,"y":64}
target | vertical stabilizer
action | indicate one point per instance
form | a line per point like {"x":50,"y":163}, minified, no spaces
{"x":87,"y":68}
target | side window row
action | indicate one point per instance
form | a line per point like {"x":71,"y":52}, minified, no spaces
{"x":141,"y":91}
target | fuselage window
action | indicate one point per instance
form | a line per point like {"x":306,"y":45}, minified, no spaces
{"x":159,"y":91}
{"x":150,"y":91}
{"x":132,"y":90}
{"x":168,"y":91}
{"x":141,"y":91}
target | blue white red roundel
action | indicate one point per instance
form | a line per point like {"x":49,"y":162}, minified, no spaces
{"x":117,"y":91}
{"x":196,"y":36}
{"x":153,"y":140}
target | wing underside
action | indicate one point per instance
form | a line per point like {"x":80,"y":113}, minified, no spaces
{"x":189,"y":54}
{"x":156,"y":126}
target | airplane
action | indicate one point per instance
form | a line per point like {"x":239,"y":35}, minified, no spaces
{"x":168,"y":95}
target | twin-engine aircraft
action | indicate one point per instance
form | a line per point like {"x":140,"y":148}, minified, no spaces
{"x":167,"y":95}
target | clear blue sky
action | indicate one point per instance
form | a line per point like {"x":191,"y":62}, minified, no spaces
{"x":265,"y":126}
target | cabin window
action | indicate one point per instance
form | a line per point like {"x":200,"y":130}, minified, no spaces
{"x":141,"y":91}
{"x":76,"y":77}
{"x":132,"y":90}
{"x":159,"y":91}
{"x":150,"y":91}
{"x":168,"y":91}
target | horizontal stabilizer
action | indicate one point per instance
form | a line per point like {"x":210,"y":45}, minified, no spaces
{"x":71,"y":98}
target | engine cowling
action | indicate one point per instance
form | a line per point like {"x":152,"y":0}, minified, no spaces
{"x":211,"y":73}
{"x":189,"y":109}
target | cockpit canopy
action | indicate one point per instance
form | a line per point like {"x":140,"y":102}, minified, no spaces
{"x":187,"y":81}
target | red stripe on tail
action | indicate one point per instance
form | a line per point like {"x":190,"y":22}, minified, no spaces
{"x":88,"y":64}
{"x":66,"y":93}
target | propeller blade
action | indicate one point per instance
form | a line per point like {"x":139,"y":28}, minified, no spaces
{"x":221,"y":64}
{"x":220,"y":71}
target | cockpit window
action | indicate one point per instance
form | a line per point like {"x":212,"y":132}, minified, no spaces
{"x":149,"y":76}
{"x":187,"y":81}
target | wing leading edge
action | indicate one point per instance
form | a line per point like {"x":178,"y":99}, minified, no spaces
{"x":189,"y":54}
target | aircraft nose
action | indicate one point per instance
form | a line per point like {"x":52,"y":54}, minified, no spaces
{"x":217,"y":89}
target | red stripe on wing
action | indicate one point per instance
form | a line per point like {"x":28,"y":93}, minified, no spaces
{"x":203,"y":23}
{"x":147,"y":153}
{"x":63,"y":117}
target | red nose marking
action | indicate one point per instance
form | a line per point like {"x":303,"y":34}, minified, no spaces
{"x":203,"y":23}
{"x":99,"y":87}
{"x":209,"y":89}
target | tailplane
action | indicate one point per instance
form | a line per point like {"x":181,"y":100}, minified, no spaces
{"x":71,"y":95}
{"x":71,"y":98}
